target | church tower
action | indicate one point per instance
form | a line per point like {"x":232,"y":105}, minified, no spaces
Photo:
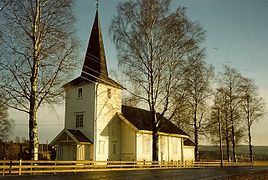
{"x":93,"y":98}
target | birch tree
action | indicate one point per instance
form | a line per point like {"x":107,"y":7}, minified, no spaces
{"x":38,"y":55}
{"x":220,"y":111}
{"x":252,"y":109}
{"x":231,"y":82}
{"x":198,"y":89}
{"x":153,"y":46}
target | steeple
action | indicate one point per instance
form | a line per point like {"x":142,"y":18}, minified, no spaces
{"x":95,"y":67}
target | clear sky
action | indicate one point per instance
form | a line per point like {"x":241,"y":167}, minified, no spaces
{"x":236,"y":34}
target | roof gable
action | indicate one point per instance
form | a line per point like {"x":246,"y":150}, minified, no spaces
{"x":76,"y":135}
{"x":79,"y":135}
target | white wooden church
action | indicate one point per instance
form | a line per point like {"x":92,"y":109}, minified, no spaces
{"x":98,"y":127}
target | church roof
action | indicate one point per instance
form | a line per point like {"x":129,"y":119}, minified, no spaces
{"x":76,"y":135}
{"x":188,"y":142}
{"x":94,"y":67}
{"x":141,"y":119}
{"x":79,"y":135}
{"x":80,"y":80}
{"x":95,"y":60}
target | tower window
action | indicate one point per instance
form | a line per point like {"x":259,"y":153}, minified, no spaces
{"x":114,"y":147}
{"x":80,"y":93}
{"x":109,"y":93}
{"x":101,"y":147}
{"x":79,"y":120}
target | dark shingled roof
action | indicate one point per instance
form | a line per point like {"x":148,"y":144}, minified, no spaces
{"x":95,"y":60}
{"x":80,"y":80}
{"x":141,"y":119}
{"x":79,"y":135}
{"x":188,"y":142}
{"x":95,"y":68}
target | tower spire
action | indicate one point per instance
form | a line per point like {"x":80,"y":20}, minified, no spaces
{"x":95,"y":61}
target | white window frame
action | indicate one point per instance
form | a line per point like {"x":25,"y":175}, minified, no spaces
{"x":101,"y":147}
{"x":146,"y":144}
{"x":175,"y":145}
{"x":79,"y":120}
{"x":114,"y":150}
{"x":80,"y":93}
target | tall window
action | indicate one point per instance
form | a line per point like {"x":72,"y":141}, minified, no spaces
{"x":114,"y":147}
{"x":101,"y":147}
{"x":109,"y":93}
{"x":146,"y":144}
{"x":80,"y":93}
{"x":162,"y":143}
{"x":79,"y":120}
{"x":175,"y":145}
{"x":60,"y":151}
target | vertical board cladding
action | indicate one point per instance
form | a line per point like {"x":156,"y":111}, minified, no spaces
{"x":175,"y":148}
{"x":108,"y":102}
{"x":84,"y":104}
{"x":114,"y":130}
{"x":144,"y":147}
{"x":188,"y":153}
{"x":169,"y":147}
{"x":80,"y":152}
{"x":68,"y":152}
{"x":163,"y":148}
{"x":127,"y":142}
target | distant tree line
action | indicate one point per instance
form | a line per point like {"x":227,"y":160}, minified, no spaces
{"x":211,"y":153}
{"x":20,"y":149}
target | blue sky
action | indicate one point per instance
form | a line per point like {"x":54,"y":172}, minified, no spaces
{"x":236,"y":34}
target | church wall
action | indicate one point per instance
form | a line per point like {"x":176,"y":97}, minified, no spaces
{"x":108,"y":103}
{"x":174,"y":148}
{"x":169,"y":147}
{"x":66,"y":151}
{"x":188,"y":153}
{"x":75,"y":105}
{"x":128,"y":142}
{"x":114,"y":130}
{"x":163,"y":148}
{"x":80,"y":152}
{"x":144,"y":147}
{"x":84,"y":152}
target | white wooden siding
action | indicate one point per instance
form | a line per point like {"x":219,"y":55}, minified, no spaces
{"x":188,"y":153}
{"x":127,"y":142}
{"x":169,"y":147}
{"x":108,"y":103}
{"x":141,"y":154}
{"x":114,"y":139}
{"x":84,"y":105}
